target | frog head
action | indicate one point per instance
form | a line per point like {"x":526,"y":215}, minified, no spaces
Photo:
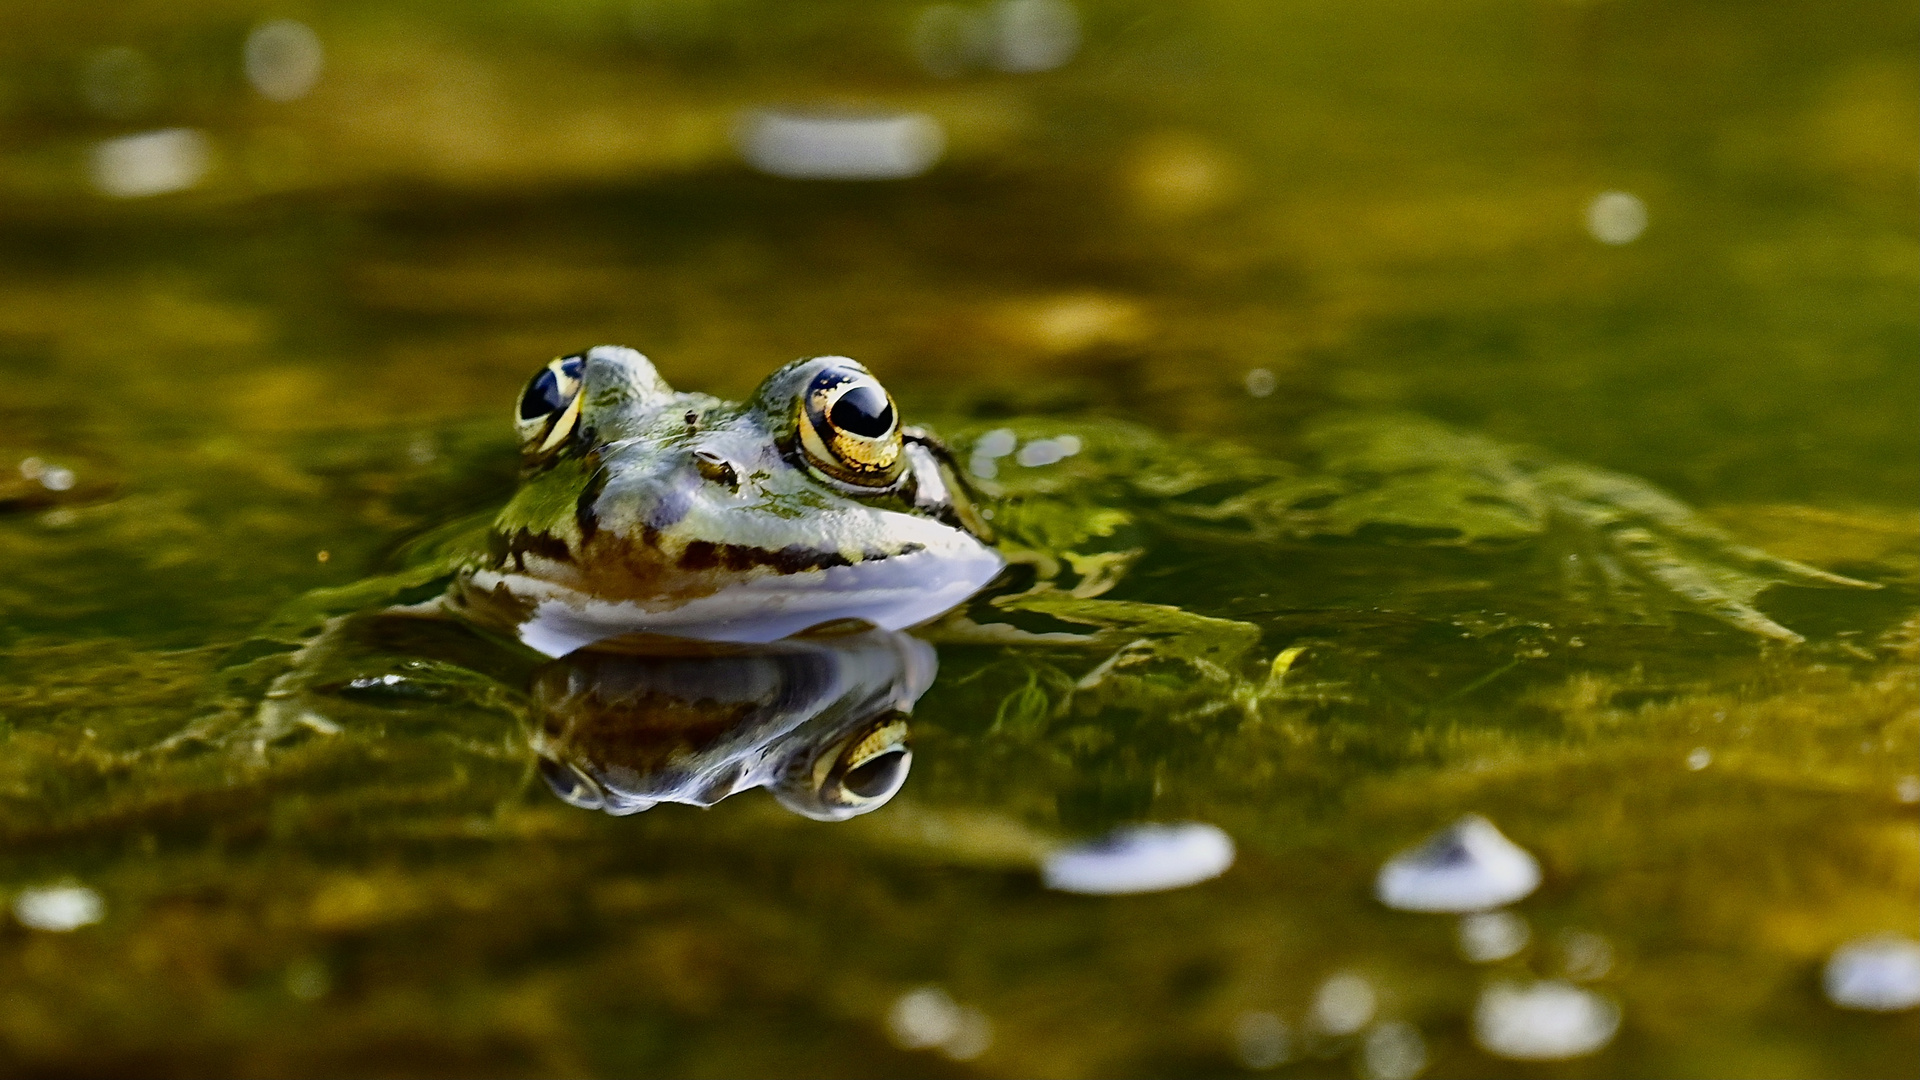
{"x":645,"y":510}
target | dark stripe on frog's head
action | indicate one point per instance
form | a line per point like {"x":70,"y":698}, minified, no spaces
{"x":792,"y":559}
{"x":522,"y":542}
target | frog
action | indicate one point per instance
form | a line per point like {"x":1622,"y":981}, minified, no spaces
{"x":647,"y":516}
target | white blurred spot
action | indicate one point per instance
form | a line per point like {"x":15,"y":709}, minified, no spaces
{"x":1585,"y":955}
{"x":1488,"y":936}
{"x":996,"y":443}
{"x":151,"y":163}
{"x":283,"y":59}
{"x":57,"y":478}
{"x":1261,"y":1040}
{"x":1468,"y":866}
{"x":1261,"y":383}
{"x":1139,"y":859}
{"x":1543,"y":1021}
{"x":1700,"y":758}
{"x":1879,"y":974}
{"x":32,"y":468}
{"x":1047,"y":451}
{"x":308,"y":980}
{"x":983,"y":467}
{"x":929,"y":1019}
{"x":1908,"y":790}
{"x":119,"y":83}
{"x":1615,"y":217}
{"x":840,"y":146}
{"x":1343,"y":1004}
{"x":1034,"y":35}
{"x":58,"y":908}
{"x":950,"y":40}
{"x":1393,"y":1051}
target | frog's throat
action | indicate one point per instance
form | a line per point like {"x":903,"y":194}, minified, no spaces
{"x":892,"y":593}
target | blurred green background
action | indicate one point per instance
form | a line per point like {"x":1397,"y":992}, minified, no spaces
{"x":294,"y":320}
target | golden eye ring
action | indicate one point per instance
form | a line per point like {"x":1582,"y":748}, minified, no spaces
{"x":850,"y":430}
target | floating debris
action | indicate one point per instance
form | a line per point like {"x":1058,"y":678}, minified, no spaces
{"x":1878,"y":974}
{"x":1393,"y":1051}
{"x":58,"y":908}
{"x":840,"y":145}
{"x":1469,"y":866}
{"x":1261,"y":1040}
{"x":1489,"y":936}
{"x":1139,"y":859}
{"x":1048,"y":451}
{"x":1344,"y":1004}
{"x":929,"y":1019}
{"x":1543,"y":1021}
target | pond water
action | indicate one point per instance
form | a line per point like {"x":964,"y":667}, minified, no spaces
{"x":1320,"y":327}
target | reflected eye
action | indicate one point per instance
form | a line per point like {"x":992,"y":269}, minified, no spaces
{"x":872,"y":767}
{"x":849,"y":429}
{"x":550,"y":406}
{"x":877,"y":777}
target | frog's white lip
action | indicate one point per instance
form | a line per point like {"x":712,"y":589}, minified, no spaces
{"x":891,"y":593}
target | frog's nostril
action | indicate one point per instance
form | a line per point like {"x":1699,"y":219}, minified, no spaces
{"x":715,"y":468}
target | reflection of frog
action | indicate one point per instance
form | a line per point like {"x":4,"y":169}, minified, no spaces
{"x":648,"y":513}
{"x":821,"y":722}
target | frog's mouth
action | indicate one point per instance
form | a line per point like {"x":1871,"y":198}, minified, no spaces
{"x":892,"y":593}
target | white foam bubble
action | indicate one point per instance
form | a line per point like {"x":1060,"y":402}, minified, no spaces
{"x":928,"y":1018}
{"x":1877,"y":974}
{"x":1034,"y":35}
{"x":1139,"y":859}
{"x":1489,"y":936}
{"x":1616,"y":217}
{"x":840,"y":145}
{"x":283,"y":59}
{"x":994,"y":444}
{"x":1468,"y":866}
{"x":1543,"y":1021}
{"x":58,"y":908}
{"x":150,"y":163}
{"x":1344,"y":1004}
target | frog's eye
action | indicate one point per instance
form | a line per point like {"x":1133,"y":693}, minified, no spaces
{"x":849,"y":429}
{"x":855,"y":776}
{"x":550,"y":405}
{"x":870,"y":768}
